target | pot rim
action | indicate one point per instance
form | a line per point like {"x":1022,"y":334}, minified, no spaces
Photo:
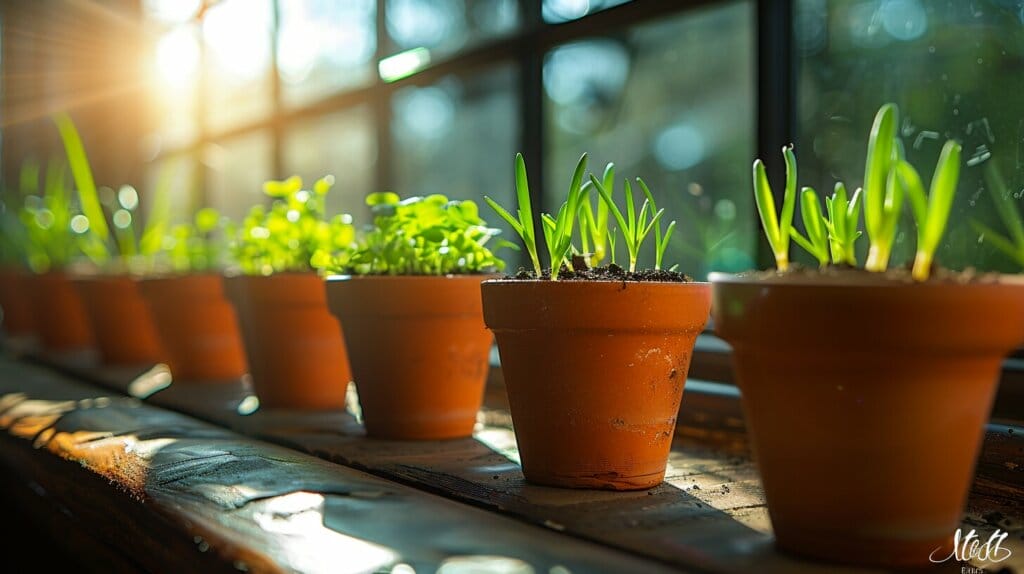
{"x":594,"y":282}
{"x":826,"y":282}
{"x":343,"y":278}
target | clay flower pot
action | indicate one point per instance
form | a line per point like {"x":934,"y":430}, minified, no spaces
{"x":866,"y":404}
{"x":60,"y":317}
{"x":14,"y":302}
{"x":120,"y":319}
{"x":294,"y":347}
{"x":419,"y":351}
{"x":197,"y":326}
{"x":595,"y":373}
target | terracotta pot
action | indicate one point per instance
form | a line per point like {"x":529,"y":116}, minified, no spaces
{"x":60,"y":317}
{"x":14,"y":302}
{"x":866,"y":405}
{"x":294,"y":347}
{"x":120,"y":319}
{"x":198,"y":327}
{"x":595,"y":373}
{"x":419,"y":351}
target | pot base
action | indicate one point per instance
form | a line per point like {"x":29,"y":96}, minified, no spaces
{"x":599,"y":481}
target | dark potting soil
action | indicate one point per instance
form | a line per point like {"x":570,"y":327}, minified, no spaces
{"x":611,"y":272}
{"x":850,"y":274}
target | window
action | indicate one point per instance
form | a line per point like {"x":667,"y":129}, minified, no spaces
{"x":437,"y":97}
{"x":688,"y":134}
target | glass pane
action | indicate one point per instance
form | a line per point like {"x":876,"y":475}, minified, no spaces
{"x":238,"y":75}
{"x":342,"y":144}
{"x":324,"y":46}
{"x":445,"y":26}
{"x":236,"y":171}
{"x":954,"y":70}
{"x":459,"y":137}
{"x":174,"y":72}
{"x":555,"y":11}
{"x":672,"y":102}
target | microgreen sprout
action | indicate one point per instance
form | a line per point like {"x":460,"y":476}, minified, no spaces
{"x":777,"y":227}
{"x":816,"y":243}
{"x":1013,"y":245}
{"x":198,"y":246}
{"x":883,"y":192}
{"x":293,"y":234}
{"x":841,"y":223}
{"x":932,"y":211}
{"x":422,"y":236}
{"x":558,"y":230}
{"x":633,"y":225}
{"x":660,"y":241}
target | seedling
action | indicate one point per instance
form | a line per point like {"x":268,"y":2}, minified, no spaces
{"x":594,"y":221}
{"x":842,"y":222}
{"x":777,"y":227}
{"x":133,"y":247}
{"x":816,"y":243}
{"x":932,"y":211}
{"x":198,"y":246}
{"x":887,"y":178}
{"x":660,"y":242}
{"x":1013,"y":245}
{"x":52,"y":223}
{"x":422,"y":236}
{"x":634,"y":225}
{"x":883,"y":193}
{"x":558,"y":230}
{"x":293,"y":234}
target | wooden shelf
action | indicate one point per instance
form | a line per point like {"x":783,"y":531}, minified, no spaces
{"x":709,"y":515}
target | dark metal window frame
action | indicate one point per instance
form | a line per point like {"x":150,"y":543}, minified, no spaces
{"x":526,"y":47}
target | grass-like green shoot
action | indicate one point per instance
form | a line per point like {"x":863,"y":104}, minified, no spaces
{"x":777,"y":227}
{"x":594,"y":221}
{"x":931,"y":212}
{"x":633,"y":224}
{"x":883,"y":193}
{"x":522,"y":223}
{"x":1013,"y":246}
{"x":558,"y":229}
{"x":842,"y":222}
{"x":660,"y":241}
{"x":130,"y":242}
{"x":816,"y":243}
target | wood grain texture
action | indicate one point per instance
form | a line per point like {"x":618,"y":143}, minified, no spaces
{"x":709,"y":514}
{"x":172,"y":493}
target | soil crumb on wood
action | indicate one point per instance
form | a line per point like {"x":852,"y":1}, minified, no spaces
{"x":607,"y":273}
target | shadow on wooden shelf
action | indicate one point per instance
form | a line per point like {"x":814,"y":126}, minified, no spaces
{"x":709,"y":513}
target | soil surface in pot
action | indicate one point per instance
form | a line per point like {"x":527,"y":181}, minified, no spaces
{"x":847,"y":274}
{"x":611,"y":272}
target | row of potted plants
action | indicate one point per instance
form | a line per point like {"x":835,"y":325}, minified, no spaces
{"x":874,"y":383}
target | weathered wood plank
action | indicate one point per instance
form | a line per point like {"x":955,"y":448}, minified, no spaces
{"x":710,"y":512}
{"x":173,"y":492}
